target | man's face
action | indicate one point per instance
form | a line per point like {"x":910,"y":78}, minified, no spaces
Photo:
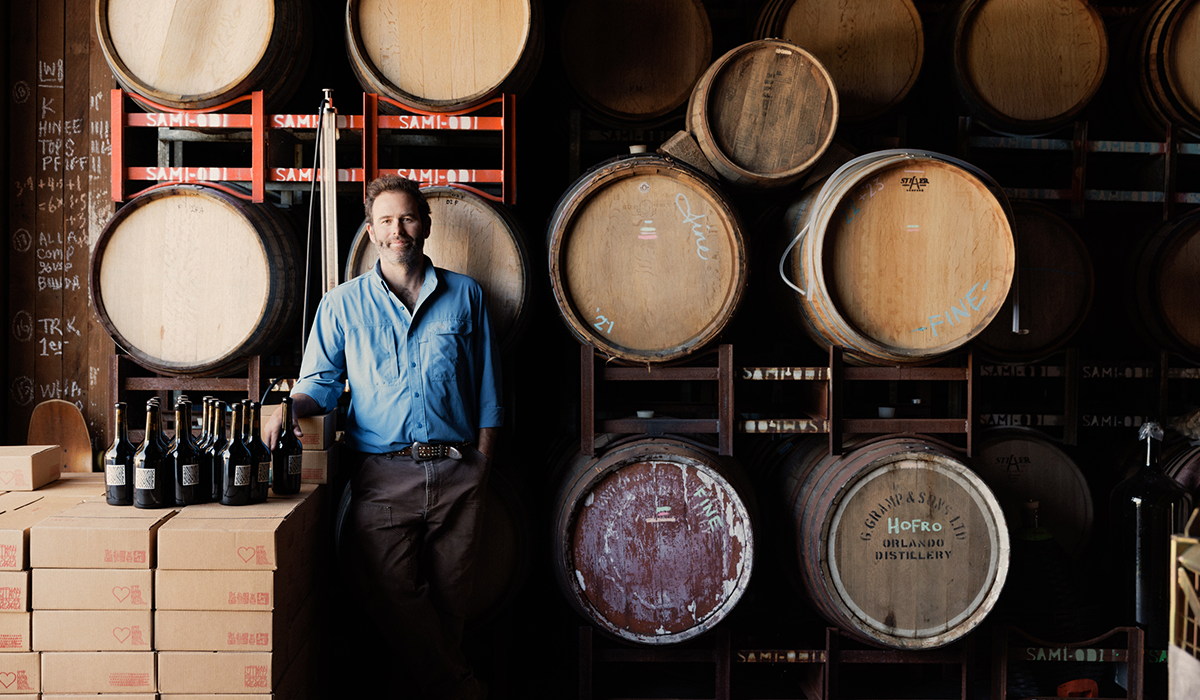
{"x":396,"y":229}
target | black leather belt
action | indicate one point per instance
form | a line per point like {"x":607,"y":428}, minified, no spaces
{"x":425,"y":450}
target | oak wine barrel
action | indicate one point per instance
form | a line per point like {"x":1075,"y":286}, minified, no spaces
{"x":1027,"y":65}
{"x":764,"y":113}
{"x":647,"y":260}
{"x":503,"y":555}
{"x":873,"y":49}
{"x":1166,"y":284}
{"x":632,"y":60}
{"x":1056,"y":286}
{"x":1167,"y":51}
{"x":443,"y":55}
{"x":471,"y":236}
{"x":193,"y":54}
{"x":898,"y":542}
{"x":188,"y":279}
{"x":900,"y":256}
{"x":1021,"y":465}
{"x":653,"y":538}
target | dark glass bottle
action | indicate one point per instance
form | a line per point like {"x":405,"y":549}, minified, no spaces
{"x":153,"y":480}
{"x":260,"y":454}
{"x":118,"y":462}
{"x":216,"y":447}
{"x":1146,"y":509}
{"x":205,"y":425}
{"x":237,"y":467}
{"x":286,"y":454}
{"x":184,"y":460}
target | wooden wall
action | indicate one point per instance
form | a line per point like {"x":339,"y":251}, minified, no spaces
{"x":57,"y":195}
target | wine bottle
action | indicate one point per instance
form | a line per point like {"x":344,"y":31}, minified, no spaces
{"x":216,"y":448}
{"x":236,"y":463}
{"x":183,"y":460}
{"x":260,"y":455}
{"x":118,"y":462}
{"x":287,"y":454}
{"x":153,"y":480}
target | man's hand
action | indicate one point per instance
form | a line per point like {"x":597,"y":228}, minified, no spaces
{"x":302,"y":405}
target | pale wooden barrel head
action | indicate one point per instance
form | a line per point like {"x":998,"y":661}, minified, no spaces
{"x":764,"y":113}
{"x":1177,"y":284}
{"x":189,"y":47}
{"x":1056,"y":281}
{"x":914,"y":255}
{"x":635,"y":60}
{"x":438,"y":53}
{"x":873,"y":49}
{"x":185,"y":279}
{"x":1031,"y":61}
{"x":916,"y":550}
{"x":1181,"y":58}
{"x":1020,"y":465}
{"x":469,"y":236}
{"x":660,"y":544}
{"x":646,"y":259}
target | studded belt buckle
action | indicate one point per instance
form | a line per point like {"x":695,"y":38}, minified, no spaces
{"x":421,"y":450}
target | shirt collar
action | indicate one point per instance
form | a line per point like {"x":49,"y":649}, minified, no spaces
{"x":428,"y":286}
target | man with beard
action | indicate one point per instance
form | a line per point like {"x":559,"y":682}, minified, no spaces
{"x":415,"y":344}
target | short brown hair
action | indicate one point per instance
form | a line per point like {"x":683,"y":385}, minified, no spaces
{"x":395,"y":183}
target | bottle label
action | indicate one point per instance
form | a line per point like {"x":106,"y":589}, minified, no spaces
{"x":264,"y":472}
{"x":241,"y":475}
{"x":144,"y":479}
{"x":114,"y":474}
{"x":190,"y":475}
{"x":294,"y":462}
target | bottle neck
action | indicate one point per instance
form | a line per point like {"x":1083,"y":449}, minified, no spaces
{"x":122,"y":423}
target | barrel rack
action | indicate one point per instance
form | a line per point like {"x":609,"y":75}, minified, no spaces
{"x":181,"y":125}
{"x":822,"y":680}
{"x":1010,"y":644}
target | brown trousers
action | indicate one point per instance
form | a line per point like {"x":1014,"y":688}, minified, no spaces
{"x":414,"y":526}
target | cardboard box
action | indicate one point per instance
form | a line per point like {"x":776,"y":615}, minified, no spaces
{"x":213,"y":542}
{"x":105,"y":672}
{"x":207,"y":630}
{"x":274,"y":507}
{"x":96,"y":536}
{"x":93,"y":630}
{"x":218,"y":672}
{"x":318,"y":430}
{"x":11,"y":500}
{"x":320,"y":466}
{"x":93,"y":589}
{"x":106,"y":696}
{"x":298,"y":681}
{"x":14,"y":591}
{"x":83,"y":484}
{"x":228,"y":590}
{"x":14,"y":632}
{"x":26,"y":467}
{"x":15,"y":525}
{"x":20,"y":673}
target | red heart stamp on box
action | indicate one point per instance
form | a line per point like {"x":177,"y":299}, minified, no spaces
{"x":246,"y":553}
{"x":121,"y":593}
{"x":7,"y":476}
{"x":7,"y":679}
{"x":121,"y":633}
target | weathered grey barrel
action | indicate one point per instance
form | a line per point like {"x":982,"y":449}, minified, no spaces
{"x":653,"y":538}
{"x":189,"y":279}
{"x":192,"y":54}
{"x":898,"y":542}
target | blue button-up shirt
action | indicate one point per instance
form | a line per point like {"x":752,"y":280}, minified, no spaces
{"x":429,"y":376}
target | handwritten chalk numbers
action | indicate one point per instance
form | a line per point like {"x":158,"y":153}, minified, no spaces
{"x":602,"y":321}
{"x":864,"y":193}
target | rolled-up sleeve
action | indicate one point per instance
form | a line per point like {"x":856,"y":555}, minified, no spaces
{"x":323,"y":370}
{"x":487,"y":362}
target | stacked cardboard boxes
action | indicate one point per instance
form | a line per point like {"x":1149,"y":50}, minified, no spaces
{"x":321,"y":450}
{"x":93,"y":593}
{"x":235,"y":601}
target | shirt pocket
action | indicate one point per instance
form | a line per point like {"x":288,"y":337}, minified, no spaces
{"x":371,"y":354}
{"x":444,"y":348}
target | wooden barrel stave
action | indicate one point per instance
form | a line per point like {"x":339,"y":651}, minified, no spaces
{"x":195,"y":54}
{"x":764,"y":113}
{"x":470,"y":236}
{"x":220,"y":287}
{"x":632,"y":60}
{"x":873,"y":49}
{"x":1028,"y":65}
{"x":1166,"y":47}
{"x":647,"y":260}
{"x":472,"y":50}
{"x":679,"y":549}
{"x":1166,"y":278}
{"x":848,"y":587}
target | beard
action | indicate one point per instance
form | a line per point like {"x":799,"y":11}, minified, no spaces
{"x":406,"y":257}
